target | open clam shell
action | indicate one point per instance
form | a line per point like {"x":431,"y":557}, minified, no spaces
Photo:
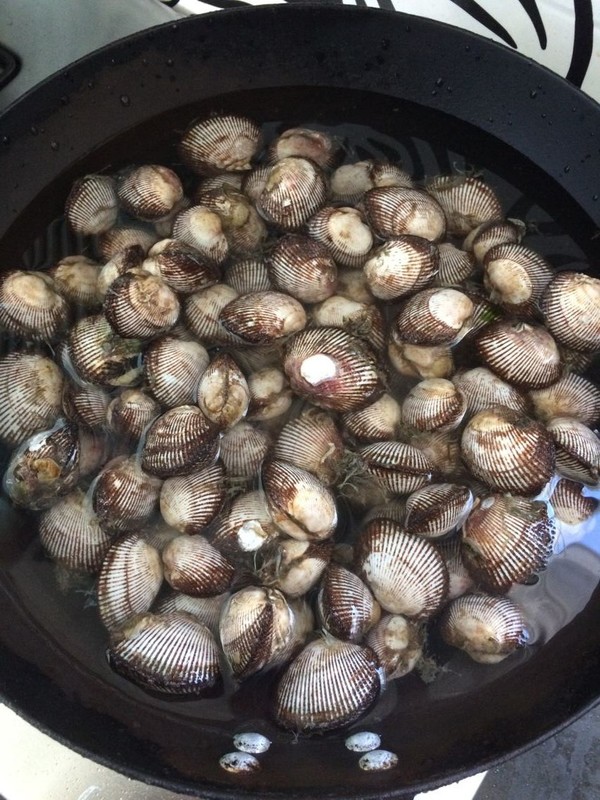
{"x":571,"y":308}
{"x":303,"y":268}
{"x":394,"y":211}
{"x":432,"y":317}
{"x":364,"y":320}
{"x":130,"y":412}
{"x":343,"y":231}
{"x":220,"y":143}
{"x":181,"y":266}
{"x":100,"y":356}
{"x":482,"y":389}
{"x":189,"y":503}
{"x":401,"y":266}
{"x":467,"y":202}
{"x":295,"y":188}
{"x":345,"y":606}
{"x":92,"y":205}
{"x":31,"y":307}
{"x":570,"y":504}
{"x":516,"y":277}
{"x":124,"y":496}
{"x":577,"y":450}
{"x":438,"y":509}
{"x":193,"y":566}
{"x":400,"y":468}
{"x":243,"y":449}
{"x":172,"y":369}
{"x":149,"y":192}
{"x":312,"y":442}
{"x":377,"y":422}
{"x":263,"y":317}
{"x":398,"y":644}
{"x":180,"y":441}
{"x":435,"y":404}
{"x":572,"y":395}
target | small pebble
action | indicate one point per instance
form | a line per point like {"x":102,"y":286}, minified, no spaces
{"x":363,"y":742}
{"x":251,"y":742}
{"x":378,"y":760}
{"x":239,"y":763}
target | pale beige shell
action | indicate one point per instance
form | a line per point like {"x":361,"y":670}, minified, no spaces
{"x":270,"y":394}
{"x":482,"y":389}
{"x":172,"y":369}
{"x":303,"y":268}
{"x":394,"y":211}
{"x":379,"y":421}
{"x":318,"y":146}
{"x":189,"y":503}
{"x":243,"y":449}
{"x":352,"y":283}
{"x":433,"y":317}
{"x":124,"y":496}
{"x":193,"y":566}
{"x":420,"y":361}
{"x":92,"y":205}
{"x":467,"y":202}
{"x":345,"y":606}
{"x":203,"y":229}
{"x":438,"y":509}
{"x":31,"y":307}
{"x":434,"y":404}
{"x":441,"y":449}
{"x":244,"y":229}
{"x":76,"y":278}
{"x":222,"y":392}
{"x":570,"y":504}
{"x":312,"y":442}
{"x":571,"y":308}
{"x":364,"y":320}
{"x":577,"y":450}
{"x":121,"y":237}
{"x":206,"y":609}
{"x":398,"y":644}
{"x":571,"y":395}
{"x":460,"y":579}
{"x":245,"y":527}
{"x":139,"y":305}
{"x":516,"y":277}
{"x":344,"y":232}
{"x":294,"y":567}
{"x":496,"y":231}
{"x":350,"y":181}
{"x":401,"y":266}
{"x":130,"y":257}
{"x":201,"y":313}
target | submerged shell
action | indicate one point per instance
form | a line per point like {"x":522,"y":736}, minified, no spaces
{"x":149,"y":192}
{"x":220,"y":143}
{"x":263,"y":317}
{"x":294,"y":189}
{"x":313,"y":443}
{"x":303,"y":268}
{"x":467,"y":202}
{"x":571,"y":308}
{"x":193,"y":566}
{"x":318,"y":146}
{"x":570,"y":504}
{"x":181,"y":266}
{"x":189,"y":502}
{"x":434,"y":404}
{"x":125,"y":497}
{"x":345,"y":606}
{"x":516,"y":277}
{"x":487,"y":628}
{"x":244,"y":229}
{"x":398,"y":644}
{"x":455,"y":265}
{"x":401,"y":266}
{"x":406,"y":573}
{"x":171,"y":653}
{"x":379,"y":421}
{"x":328,"y":685}
{"x":172,"y":368}
{"x":76,"y":278}
{"x":482,"y":389}
{"x":577,"y":450}
{"x":572,"y":395}
{"x":344,"y":233}
{"x":433,"y":317}
{"x":350,"y":181}
{"x":420,"y":361}
{"x":180,"y":441}
{"x":31,"y":306}
{"x":223,"y":393}
{"x":102,"y":357}
{"x":364,"y":320}
{"x":130,"y":412}
{"x":438,"y":509}
{"x":203,"y":230}
{"x":394,"y":211}
{"x":398,"y":467}
{"x":92,"y":205}
{"x":243,"y":449}
{"x":202,"y":311}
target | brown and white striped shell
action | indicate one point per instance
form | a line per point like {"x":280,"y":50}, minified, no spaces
{"x":263,"y":317}
{"x":303,"y":268}
{"x":85,"y":404}
{"x":364,"y":320}
{"x":270,"y":394}
{"x":189,"y":503}
{"x":394,"y":211}
{"x":487,"y":628}
{"x":203,"y":230}
{"x":122,"y":237}
{"x":345,"y":234}
{"x":401,"y":266}
{"x":173,"y":368}
{"x":455,"y":265}
{"x":441,"y":449}
{"x":577,"y":450}
{"x":130,"y":412}
{"x":332,"y":369}
{"x":294,"y":567}
{"x":406,"y":573}
{"x":129,"y":580}
{"x":350,"y":181}
{"x":206,"y":609}
{"x":222,"y":392}
{"x":172,"y":653}
{"x":516,"y":277}
{"x":248,"y":275}
{"x":460,"y":579}
{"x":572,"y":395}
{"x":437,"y":510}
{"x":489,"y":234}
{"x":570,"y":503}
{"x":377,"y":422}
{"x":124,"y":496}
{"x":181,"y":266}
{"x":467,"y":202}
{"x":244,"y":447}
{"x":245,"y":527}
{"x":253,"y":182}
{"x":398,"y":467}
{"x":432,"y":317}
{"x":508,"y":451}
{"x":434,"y":404}
{"x":345,"y":606}
{"x":193,"y":566}
{"x":398,"y":644}
{"x":244,"y":229}
{"x":101,"y":356}
{"x":31,"y":307}
{"x":318,"y":146}
{"x":571,"y":309}
{"x":220,"y":143}
{"x":330,"y":684}
{"x":201,"y":313}
{"x":139,"y":305}
{"x":506,"y":540}
{"x":179,"y":442}
{"x":149,"y":192}
{"x":420,"y":361}
{"x":92,"y":205}
{"x":129,"y":258}
{"x":294,"y":189}
{"x":482,"y":389}
{"x":312,"y":442}
{"x":76,"y":278}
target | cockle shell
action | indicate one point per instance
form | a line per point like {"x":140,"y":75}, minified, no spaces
{"x":571,"y":309}
{"x":149,"y":192}
{"x":220,"y":143}
{"x":577,"y":450}
{"x":245,"y":527}
{"x":434,"y":404}
{"x":263,"y":317}
{"x":487,"y":628}
{"x":455,"y":266}
{"x":130,"y":412}
{"x":122,"y":237}
{"x":180,"y":441}
{"x":189,"y":503}
{"x":489,"y":234}
{"x":223,"y":393}
{"x":31,"y":306}
{"x":253,"y":182}
{"x":129,"y":258}
{"x":139,"y":305}
{"x":398,"y":467}
{"x":394,"y":211}
{"x":318,"y":146}
{"x":181,"y":266}
{"x":467,"y":202}
{"x":312,"y":442}
{"x":92,"y":205}
{"x":206,"y":609}
{"x":202,"y":311}
{"x":516,"y":277}
{"x":294,"y":567}
{"x":124,"y":496}
{"x":330,"y":684}
{"x":294,"y":189}
{"x":379,"y":421}
{"x":350,"y":181}
{"x":100,"y":356}
{"x":345,"y":234}
{"x":352,"y":283}
{"x":441,"y":449}
{"x":345,"y":606}
{"x":243,"y":449}
{"x":76,"y":278}
{"x":270,"y":394}
{"x":420,"y":361}
{"x":572,"y":395}
{"x":193,"y":566}
{"x":432,"y":317}
{"x":482,"y":389}
{"x":173,"y":368}
{"x":303,"y":268}
{"x":85,"y":404}
{"x":438,"y":509}
{"x":203,"y":230}
{"x":172,"y":653}
{"x":460,"y":579}
{"x":244,"y":229}
{"x":248,"y":275}
{"x":398,"y":644}
{"x":401,"y":266}
{"x":570,"y":504}
{"x":364,"y":320}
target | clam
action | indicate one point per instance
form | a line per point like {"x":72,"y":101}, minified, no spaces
{"x":254,"y":182}
{"x":364,"y":320}
{"x":263,"y":317}
{"x":248,"y":275}
{"x":31,"y":307}
{"x":71,"y":534}
{"x":571,"y":308}
{"x":460,"y":579}
{"x":172,"y":653}
{"x":299,"y":503}
{"x":101,"y":356}
{"x":345,"y":606}
{"x":173,"y":368}
{"x":466,"y":200}
{"x":330,"y":684}
{"x":441,"y":449}
{"x":122,"y":237}
{"x":393,"y":211}
{"x":129,"y":258}
{"x":270,"y":394}
{"x":129,"y":580}
{"x":438,"y":509}
{"x":482,"y":389}
{"x":149,"y":192}
{"x":379,"y":421}
{"x":577,"y":449}
{"x":312,"y":442}
{"x":189,"y":503}
{"x":76,"y":278}
{"x":244,"y":229}
{"x":179,"y":442}
{"x":398,"y":644}
{"x":130,"y":412}
{"x":571,"y":395}
{"x":124,"y":496}
{"x":181,"y":266}
{"x":508,"y":451}
{"x":232,"y":180}
{"x":520,"y":353}
{"x":294,"y":189}
{"x":401,"y":266}
{"x":420,"y":361}
{"x":455,"y":265}
{"x":206,"y":609}
{"x":243,"y":449}
{"x":491,"y":233}
{"x":516,"y":277}
{"x":303,"y":268}
{"x":31,"y":388}
{"x":434,"y":404}
{"x":92,"y":205}
{"x":570,"y":504}
{"x":406,"y":573}
{"x":332,"y":369}
{"x":245,"y":527}
{"x":203,"y":230}
{"x":85,"y":404}
{"x":260,"y":629}
{"x":139,"y":305}
{"x":223,"y":393}
{"x":352,"y":283}
{"x":506,"y":540}
{"x":318,"y":146}
{"x":398,"y":467}
{"x":345,"y":234}
{"x":350,"y":181}
{"x":201,"y":312}
{"x":432,"y":317}
{"x":294,"y":567}
{"x":220,"y":143}
{"x":487,"y":628}
{"x":193,"y":566}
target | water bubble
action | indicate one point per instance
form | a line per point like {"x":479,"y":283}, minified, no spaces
{"x":439,"y":82}
{"x":533,"y":94}
{"x":34,"y":130}
{"x":6,"y":140}
{"x":567,"y":168}
{"x":169,"y":62}
{"x":125,"y":100}
{"x":54,"y":145}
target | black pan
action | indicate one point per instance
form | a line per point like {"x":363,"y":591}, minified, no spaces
{"x":397,"y":86}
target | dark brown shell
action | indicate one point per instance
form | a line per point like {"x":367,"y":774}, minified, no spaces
{"x":577,"y":450}
{"x":570,"y":504}
{"x":179,"y":442}
{"x":482,"y":389}
{"x":303,"y":268}
{"x":312,"y":442}
{"x":139,"y":305}
{"x":31,"y":307}
{"x":295,"y":188}
{"x":438,"y":509}
{"x":220,"y":143}
{"x":189,"y":503}
{"x":433,"y":317}
{"x":455,"y":266}
{"x":193,"y":566}
{"x":571,"y":308}
{"x":124,"y":496}
{"x":249,"y":275}
{"x":102,"y":357}
{"x":467,"y":202}
{"x":92,"y":205}
{"x":516,"y":277}
{"x":572,"y":395}
{"x":400,"y":468}
{"x":202,"y":311}
{"x":377,"y":422}
{"x":85,"y":404}
{"x":401,"y":266}
{"x":149,"y":192}
{"x":76,"y":278}
{"x":435,"y":404}
{"x":172,"y":368}
{"x":130,"y":413}
{"x":181,"y":266}
{"x":344,"y":232}
{"x":394,"y":211}
{"x":318,"y":146}
{"x":345,"y":606}
{"x":203,"y":230}
{"x":263,"y":317}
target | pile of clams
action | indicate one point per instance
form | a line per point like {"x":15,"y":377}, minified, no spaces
{"x":296,"y":413}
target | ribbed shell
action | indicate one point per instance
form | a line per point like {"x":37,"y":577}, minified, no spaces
{"x":130,"y":413}
{"x":254,"y":182}
{"x":202,"y":311}
{"x":244,"y":229}
{"x":570,"y":504}
{"x":245,"y":527}
{"x":438,"y":509}
{"x":345,"y":606}
{"x":433,"y":317}
{"x":249,"y":275}
{"x":260,"y":628}
{"x":455,"y":266}
{"x":179,"y":442}
{"x":125,"y":497}
{"x":206,"y":609}
{"x":71,"y":534}
{"x":270,"y":394}
{"x":516,"y":278}
{"x":508,"y":451}
{"x":294,"y":567}
{"x":318,"y":146}
{"x":243,"y":449}
{"x":300,"y":504}
{"x":92,"y":205}
{"x":190,"y":502}
{"x":171,"y":653}
{"x":344,"y":232}
{"x":506,"y":540}
{"x":203,"y":229}
{"x":129,"y":258}
{"x":31,"y":306}
{"x":76,"y":278}
{"x":399,"y":467}
{"x":312,"y":442}
{"x":303,"y":268}
{"x":420,"y":361}
{"x":332,"y":369}
{"x":379,"y":421}
{"x":173,"y":368}
{"x":181,"y":266}
{"x":572,"y":395}
{"x":487,"y":628}
{"x":571,"y":308}
{"x":102,"y":357}
{"x":220,"y":143}
{"x":85,"y":404}
{"x":577,"y":450}
{"x":482,"y":389}
{"x":139,"y":305}
{"x":193,"y":566}
{"x":295,"y":188}
{"x":398,"y":644}
{"x":149,"y":192}
{"x":329,"y":685}
{"x":434,"y":404}
{"x":442,"y":450}
{"x":521,"y":354}
{"x":401,"y":266}
{"x":489,"y":234}
{"x":223,"y":393}
{"x":121,"y":237}
{"x":350,"y":181}
{"x":129,"y":580}
{"x":467,"y":202}
{"x":31,"y":388}
{"x":406,"y":573}
{"x":364,"y":320}
{"x":460,"y":579}
{"x":223,"y":180}
{"x":263,"y":317}
{"x":394,"y":211}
